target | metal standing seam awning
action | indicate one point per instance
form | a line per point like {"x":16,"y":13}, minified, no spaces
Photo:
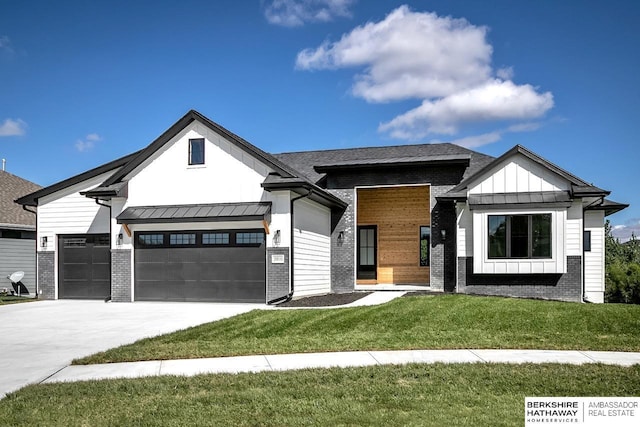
{"x":520,"y":200}
{"x":215,"y":212}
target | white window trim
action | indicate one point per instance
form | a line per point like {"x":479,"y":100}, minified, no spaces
{"x":482,"y":264}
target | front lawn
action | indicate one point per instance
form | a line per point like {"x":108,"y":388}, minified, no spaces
{"x":419,"y":322}
{"x":14,"y":299}
{"x":420,"y":395}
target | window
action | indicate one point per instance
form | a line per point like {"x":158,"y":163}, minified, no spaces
{"x":196,"y":151}
{"x":151,"y":239}
{"x":215,"y":238}
{"x":520,"y":236}
{"x":249,"y":238}
{"x":182,"y":239}
{"x":425,"y":241}
{"x":586,"y":237}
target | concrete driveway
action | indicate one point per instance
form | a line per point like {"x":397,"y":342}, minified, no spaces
{"x":37,"y":339}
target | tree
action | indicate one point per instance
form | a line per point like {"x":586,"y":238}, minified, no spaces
{"x":622,"y":276}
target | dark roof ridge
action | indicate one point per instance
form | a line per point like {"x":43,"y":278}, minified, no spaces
{"x":381,"y":147}
{"x":520,"y":149}
{"x":32,"y":198}
{"x":183,"y":122}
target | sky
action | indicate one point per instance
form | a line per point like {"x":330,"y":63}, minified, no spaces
{"x":85,"y":82}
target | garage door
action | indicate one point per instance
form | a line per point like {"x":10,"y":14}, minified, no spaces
{"x":218,"y":265}
{"x":84,"y":266}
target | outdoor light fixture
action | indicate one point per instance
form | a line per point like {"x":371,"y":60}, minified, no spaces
{"x":276,"y":238}
{"x":43,"y":241}
{"x":443,"y":234}
{"x":120,"y":239}
{"x":341,"y":237}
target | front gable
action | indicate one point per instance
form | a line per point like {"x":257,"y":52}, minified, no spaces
{"x":518,"y":174}
{"x":228,"y":174}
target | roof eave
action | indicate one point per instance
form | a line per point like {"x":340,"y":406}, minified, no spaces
{"x":386,"y":165}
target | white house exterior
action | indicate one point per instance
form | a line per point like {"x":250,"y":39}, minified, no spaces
{"x":202,"y":215}
{"x":545,"y":214}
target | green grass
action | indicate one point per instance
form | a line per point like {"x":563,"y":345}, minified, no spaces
{"x":419,"y":322}
{"x":14,"y":299}
{"x":419,"y":395}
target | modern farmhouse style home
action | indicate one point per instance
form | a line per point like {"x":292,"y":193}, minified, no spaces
{"x":200,"y":214}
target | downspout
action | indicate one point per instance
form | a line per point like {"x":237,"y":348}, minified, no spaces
{"x":287,"y":298}
{"x":107,"y":299}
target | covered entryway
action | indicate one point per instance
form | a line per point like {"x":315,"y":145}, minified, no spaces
{"x":84,"y":266}
{"x":394,"y":235}
{"x":213,"y":265}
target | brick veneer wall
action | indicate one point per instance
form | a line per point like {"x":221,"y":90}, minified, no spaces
{"x":46,"y":275}
{"x":441,"y":180}
{"x":277,"y":274}
{"x":121,"y":275}
{"x":562,"y":287}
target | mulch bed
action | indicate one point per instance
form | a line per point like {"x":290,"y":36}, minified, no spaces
{"x":325,"y":300}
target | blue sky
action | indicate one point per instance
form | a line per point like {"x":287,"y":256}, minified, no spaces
{"x":85,"y":82}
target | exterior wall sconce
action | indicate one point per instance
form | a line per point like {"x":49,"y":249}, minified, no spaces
{"x":341,"y":237}
{"x":43,"y":241}
{"x":443,"y":234}
{"x":276,"y":238}
{"x":119,"y":241}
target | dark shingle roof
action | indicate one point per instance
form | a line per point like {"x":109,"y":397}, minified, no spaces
{"x":305,"y":161}
{"x":11,"y":188}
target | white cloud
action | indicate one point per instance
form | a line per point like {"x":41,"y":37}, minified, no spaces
{"x":444,"y":62}
{"x":623,"y":232}
{"x":88,"y":142}
{"x":475,"y":141}
{"x":496,"y":100}
{"x":12,"y":127}
{"x":295,"y":13}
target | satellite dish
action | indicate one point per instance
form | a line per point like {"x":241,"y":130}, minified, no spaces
{"x":16,"y":277}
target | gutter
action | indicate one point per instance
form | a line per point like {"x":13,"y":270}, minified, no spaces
{"x":287,"y":298}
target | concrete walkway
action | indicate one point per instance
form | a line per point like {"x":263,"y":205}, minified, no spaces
{"x":284,"y":362}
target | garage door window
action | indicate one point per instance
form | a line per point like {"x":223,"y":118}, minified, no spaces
{"x":151,"y":239}
{"x":249,"y":238}
{"x":215,"y":238}
{"x":182,"y":239}
{"x":74,"y":242}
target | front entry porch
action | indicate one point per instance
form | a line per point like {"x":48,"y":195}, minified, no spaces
{"x":393,"y":241}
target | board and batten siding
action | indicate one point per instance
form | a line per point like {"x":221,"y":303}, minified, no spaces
{"x":519,"y":174}
{"x":69,"y":212}
{"x":18,"y":255}
{"x":312,"y":249}
{"x":594,"y":259}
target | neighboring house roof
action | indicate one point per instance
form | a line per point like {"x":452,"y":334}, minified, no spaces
{"x":579,"y":186}
{"x":32,"y":198}
{"x":256,"y":211}
{"x":314,"y":163}
{"x":11,"y":214}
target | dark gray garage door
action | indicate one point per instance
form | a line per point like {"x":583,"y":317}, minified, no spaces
{"x":84,"y":266}
{"x":225,"y":266}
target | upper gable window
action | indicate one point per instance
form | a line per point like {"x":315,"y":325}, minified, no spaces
{"x":196,"y":151}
